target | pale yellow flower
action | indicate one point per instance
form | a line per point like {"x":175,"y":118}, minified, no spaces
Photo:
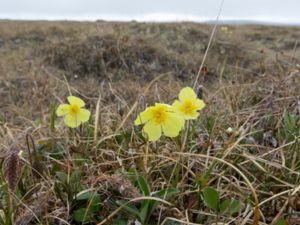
{"x":74,"y":112}
{"x":188,"y":104}
{"x":224,"y":29}
{"x":160,"y":119}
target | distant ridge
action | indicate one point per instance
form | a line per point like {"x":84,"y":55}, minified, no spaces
{"x":253,"y":22}
{"x":156,"y":18}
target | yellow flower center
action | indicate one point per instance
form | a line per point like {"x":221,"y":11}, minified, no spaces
{"x":74,"y":109}
{"x":188,"y":107}
{"x":160,"y":114}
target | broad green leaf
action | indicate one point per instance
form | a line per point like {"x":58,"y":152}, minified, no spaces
{"x":230,"y":206}
{"x":234,"y":207}
{"x":211,"y":198}
{"x":82,"y":215}
{"x":85,"y":195}
{"x":224,"y":207}
{"x":96,"y":202}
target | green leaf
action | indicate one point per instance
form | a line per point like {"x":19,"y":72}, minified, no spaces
{"x":166,"y":193}
{"x":129,"y":208}
{"x":8,"y":217}
{"x":84,"y":195}
{"x":52,"y":114}
{"x":120,"y":221}
{"x":171,"y":222}
{"x":143,"y":186}
{"x":75,"y":182}
{"x":290,"y":127}
{"x":224,"y":207}
{"x":1,"y":220}
{"x":92,"y":198}
{"x":234,"y":207}
{"x":281,"y":222}
{"x":145,"y":211}
{"x":56,"y":151}
{"x":96,"y":203}
{"x":75,"y":177}
{"x":148,"y":206}
{"x":62,"y":177}
{"x":211,"y":198}
{"x":82,"y":215}
{"x":210,"y":124}
{"x":163,"y":194}
{"x":230,"y":206}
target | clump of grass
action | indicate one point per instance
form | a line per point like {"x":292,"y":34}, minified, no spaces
{"x":31,"y":213}
{"x":116,"y":184}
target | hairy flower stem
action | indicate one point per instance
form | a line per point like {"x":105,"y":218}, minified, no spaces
{"x":185,"y":136}
{"x":182,"y":148}
{"x":146,"y":156}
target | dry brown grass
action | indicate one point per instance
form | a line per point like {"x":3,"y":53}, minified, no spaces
{"x":252,"y":83}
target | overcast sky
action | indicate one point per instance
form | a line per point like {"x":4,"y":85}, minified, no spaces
{"x":285,"y":11}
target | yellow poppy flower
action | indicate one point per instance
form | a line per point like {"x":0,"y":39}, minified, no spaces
{"x":159,"y":119}
{"x":73,"y":112}
{"x":188,"y":104}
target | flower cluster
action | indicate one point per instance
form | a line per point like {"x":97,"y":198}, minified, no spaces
{"x":158,"y":119}
{"x":169,"y":119}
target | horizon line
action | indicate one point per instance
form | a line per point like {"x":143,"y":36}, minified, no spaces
{"x":155,"y":18}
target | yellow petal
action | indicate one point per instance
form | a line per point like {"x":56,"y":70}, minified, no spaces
{"x":200,"y":104}
{"x":76,"y":101}
{"x":144,"y":116}
{"x":71,"y":121}
{"x":192,"y":116}
{"x":176,"y":105}
{"x":166,"y":107}
{"x":152,"y":130}
{"x":62,"y":109}
{"x":177,"y":109}
{"x":83,"y":115}
{"x":173,"y":125}
{"x":187,"y":93}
